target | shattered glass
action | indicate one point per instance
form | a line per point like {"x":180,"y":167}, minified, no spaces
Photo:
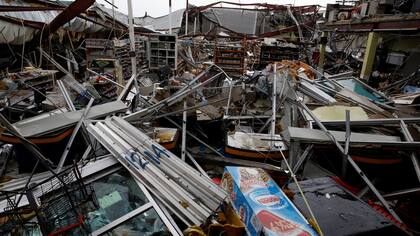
{"x":148,"y":224}
{"x":117,"y":194}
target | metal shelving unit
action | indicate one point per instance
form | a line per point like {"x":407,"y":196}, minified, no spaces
{"x":230,"y":57}
{"x":99,"y":49}
{"x":162,"y":51}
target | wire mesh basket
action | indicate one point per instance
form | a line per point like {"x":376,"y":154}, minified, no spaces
{"x":62,"y":202}
{"x":10,"y":218}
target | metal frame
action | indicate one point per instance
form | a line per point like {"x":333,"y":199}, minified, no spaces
{"x":73,"y":135}
{"x":123,"y":219}
{"x":370,"y":122}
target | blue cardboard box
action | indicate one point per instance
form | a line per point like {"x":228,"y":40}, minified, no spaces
{"x":262,"y":205}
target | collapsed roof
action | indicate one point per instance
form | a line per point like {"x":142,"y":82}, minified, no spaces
{"x":260,"y":20}
{"x":22,"y":19}
{"x":161,"y":23}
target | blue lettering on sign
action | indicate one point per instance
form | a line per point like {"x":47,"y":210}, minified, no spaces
{"x":134,"y":160}
{"x":151,"y":156}
{"x":158,"y":151}
{"x":141,"y":162}
{"x":157,"y":154}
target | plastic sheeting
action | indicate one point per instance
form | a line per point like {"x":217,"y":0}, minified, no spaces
{"x":18,"y":34}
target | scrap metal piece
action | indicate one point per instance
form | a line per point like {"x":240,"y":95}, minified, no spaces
{"x":347,"y":144}
{"x":39,"y":127}
{"x":317,"y":136}
{"x":73,"y":135}
{"x":352,"y":162}
{"x":305,"y":155}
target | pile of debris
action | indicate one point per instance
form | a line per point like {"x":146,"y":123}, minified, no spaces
{"x":252,"y":120}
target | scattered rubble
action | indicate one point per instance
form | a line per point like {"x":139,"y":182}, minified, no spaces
{"x":233,"y":119}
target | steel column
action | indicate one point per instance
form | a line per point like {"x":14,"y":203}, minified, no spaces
{"x":370,"y":53}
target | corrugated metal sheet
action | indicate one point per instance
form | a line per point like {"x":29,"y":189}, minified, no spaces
{"x":245,"y":21}
{"x":238,"y":20}
{"x":121,"y":17}
{"x":161,"y":23}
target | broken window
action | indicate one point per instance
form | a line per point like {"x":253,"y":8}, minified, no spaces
{"x":117,"y":194}
{"x":147,"y":223}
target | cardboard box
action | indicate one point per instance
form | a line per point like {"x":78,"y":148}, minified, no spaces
{"x":262,"y":205}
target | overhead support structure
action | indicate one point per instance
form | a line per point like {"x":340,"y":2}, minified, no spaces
{"x":370,"y":53}
{"x":387,"y":23}
{"x":73,"y":10}
{"x":6,"y":8}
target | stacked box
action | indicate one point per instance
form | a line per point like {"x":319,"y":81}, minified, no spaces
{"x":262,"y":205}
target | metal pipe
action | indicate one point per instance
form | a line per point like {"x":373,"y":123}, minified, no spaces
{"x":66,"y":95}
{"x":274,"y":107}
{"x":170,"y":17}
{"x":346,"y":145}
{"x":229,"y":98}
{"x":104,"y":77}
{"x":402,"y":192}
{"x":73,"y":135}
{"x":289,"y":10}
{"x":370,"y":122}
{"x":132,"y":40}
{"x":195,"y":25}
{"x":184,"y":130}
{"x":127,"y":88}
{"x":197,"y":165}
{"x":186,"y":19}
